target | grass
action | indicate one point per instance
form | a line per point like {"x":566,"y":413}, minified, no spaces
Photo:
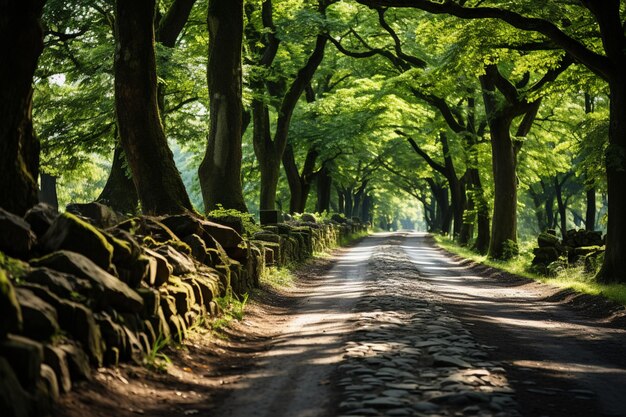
{"x":278,"y":277}
{"x":573,"y":277}
{"x":155,"y":359}
{"x":233,"y":308}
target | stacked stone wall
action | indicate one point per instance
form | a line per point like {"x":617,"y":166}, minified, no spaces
{"x":90,"y":288}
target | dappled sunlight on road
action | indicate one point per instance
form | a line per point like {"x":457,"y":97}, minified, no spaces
{"x":542,"y":340}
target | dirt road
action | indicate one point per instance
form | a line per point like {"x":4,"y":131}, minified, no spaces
{"x":423,"y":334}
{"x":396,"y":327}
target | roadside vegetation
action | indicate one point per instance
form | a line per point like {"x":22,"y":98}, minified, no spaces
{"x":572,"y":277}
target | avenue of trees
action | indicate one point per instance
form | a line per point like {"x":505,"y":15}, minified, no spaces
{"x":491,"y":122}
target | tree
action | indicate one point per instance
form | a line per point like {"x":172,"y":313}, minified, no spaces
{"x":220,"y":170}
{"x":269,"y":148}
{"x":158,"y":182}
{"x":607,"y":16}
{"x":19,"y":147}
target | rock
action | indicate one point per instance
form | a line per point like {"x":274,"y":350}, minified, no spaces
{"x":79,"y":321}
{"x":40,"y":217}
{"x":151,"y":300}
{"x":268,"y":237}
{"x":70,"y":233}
{"x":425,"y":407}
{"x":106,"y":290}
{"x":24,"y":356}
{"x":136,"y":272}
{"x":160,"y":268}
{"x":14,"y":401}
{"x":16,"y":238}
{"x":56,"y":359}
{"x":338,"y":218}
{"x":547,"y":240}
{"x":147,"y":226}
{"x":124,"y":251}
{"x":233,"y":222}
{"x":49,"y":378}
{"x":59,"y":283}
{"x":180,"y":263}
{"x":308,"y":217}
{"x":77,"y":361}
{"x":40,"y":318}
{"x":97,"y":213}
{"x":185,"y":224}
{"x":198,"y":247}
{"x":114,"y":337}
{"x":10,"y":311}
{"x":386,"y":402}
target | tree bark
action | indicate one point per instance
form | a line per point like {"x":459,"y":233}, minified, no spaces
{"x":504,"y":153}
{"x":614,"y":266}
{"x":324,"y":184}
{"x":504,"y":160}
{"x":158,"y":182}
{"x":299,"y":183}
{"x":21,"y":31}
{"x":48,"y":192}
{"x":558,"y":191}
{"x":119,"y":192}
{"x":590,"y":212}
{"x":341,"y":203}
{"x":220,"y":170}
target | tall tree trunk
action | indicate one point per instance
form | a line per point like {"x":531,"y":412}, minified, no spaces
{"x":220,"y":170}
{"x":366,"y":215}
{"x":324,"y":184}
{"x":299,"y":183}
{"x":341,"y":202}
{"x":550,"y":217}
{"x":590,"y":212}
{"x":19,"y":147}
{"x":614,"y":266}
{"x":348,"y":202}
{"x":558,"y":191}
{"x":540,"y":212}
{"x":119,"y":192}
{"x":48,"y":192}
{"x":158,"y":182}
{"x":504,"y":160}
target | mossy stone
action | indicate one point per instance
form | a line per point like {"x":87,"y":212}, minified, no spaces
{"x":9,"y":308}
{"x":71,"y":233}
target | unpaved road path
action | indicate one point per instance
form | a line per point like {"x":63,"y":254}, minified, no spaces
{"x":399,"y":327}
{"x":293,"y":377}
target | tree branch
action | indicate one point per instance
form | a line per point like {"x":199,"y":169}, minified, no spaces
{"x":432,"y":163}
{"x":597,"y":63}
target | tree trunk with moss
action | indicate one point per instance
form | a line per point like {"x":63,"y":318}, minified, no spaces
{"x":220,"y":170}
{"x":158,"y":182}
{"x":19,"y":147}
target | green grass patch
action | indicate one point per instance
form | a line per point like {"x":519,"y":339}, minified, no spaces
{"x":573,"y":277}
{"x":233,"y":308}
{"x":278,"y":277}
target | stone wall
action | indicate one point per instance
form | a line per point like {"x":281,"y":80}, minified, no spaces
{"x":90,"y":288}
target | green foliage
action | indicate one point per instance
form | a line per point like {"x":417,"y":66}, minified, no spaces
{"x":155,"y":358}
{"x":509,"y":249}
{"x":277,"y":277}
{"x":232,"y":307}
{"x":247,"y":219}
